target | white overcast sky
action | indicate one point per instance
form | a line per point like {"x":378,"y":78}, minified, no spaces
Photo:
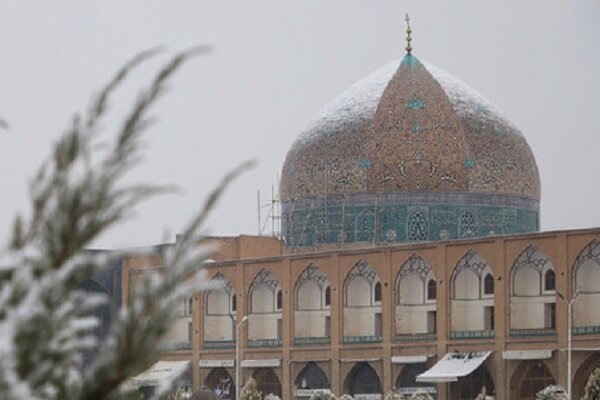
{"x":275,"y":63}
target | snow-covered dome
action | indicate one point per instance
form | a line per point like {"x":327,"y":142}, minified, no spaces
{"x":408,"y":153}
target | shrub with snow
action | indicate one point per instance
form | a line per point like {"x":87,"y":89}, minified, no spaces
{"x":592,"y":387}
{"x":552,"y":392}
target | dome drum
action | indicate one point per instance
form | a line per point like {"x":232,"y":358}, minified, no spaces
{"x":356,"y":218}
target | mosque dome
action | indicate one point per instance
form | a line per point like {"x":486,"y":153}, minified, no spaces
{"x":408,"y":153}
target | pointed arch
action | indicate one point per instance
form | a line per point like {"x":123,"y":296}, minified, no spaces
{"x":470,"y":386}
{"x":362,"y":314}
{"x":219,"y":312}
{"x":359,"y":285}
{"x":221,"y":383}
{"x":527,"y":272}
{"x":411,"y":281}
{"x":262,"y":294}
{"x":586,"y":282}
{"x":530,"y":377}
{"x":472,"y":301}
{"x":265,"y":303}
{"x":468,"y":276}
{"x":310,"y":289}
{"x":312,"y":377}
{"x":362,"y":379}
{"x":267,"y":381}
{"x":586,"y":266}
{"x":219,"y":299}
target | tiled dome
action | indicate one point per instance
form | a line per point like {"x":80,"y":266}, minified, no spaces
{"x":408,"y":153}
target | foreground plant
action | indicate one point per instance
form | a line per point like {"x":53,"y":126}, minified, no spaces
{"x":592,"y":387}
{"x":77,"y":194}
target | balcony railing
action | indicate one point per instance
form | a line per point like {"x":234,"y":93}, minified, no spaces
{"x":219,"y":344}
{"x":170,"y":346}
{"x":311,"y":341}
{"x":362,"y":339}
{"x":532,"y":332}
{"x":264,"y":342}
{"x":586,"y":330}
{"x":416,"y":337}
{"x":485,"y":334}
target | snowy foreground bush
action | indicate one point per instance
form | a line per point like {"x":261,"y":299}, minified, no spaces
{"x":552,"y":392}
{"x":77,"y":194}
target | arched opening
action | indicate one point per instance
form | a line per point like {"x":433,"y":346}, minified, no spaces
{"x":550,"y":280}
{"x":377,"y":293}
{"x":267,"y":381}
{"x":535,"y":378}
{"x":219,"y":314}
{"x":220,"y":382}
{"x":362,"y":382}
{"x":415,"y":300}
{"x":468,"y":387}
{"x":532,"y":294}
{"x":431,"y":290}
{"x":586,"y":273}
{"x":311,"y":378}
{"x":362,"y":314}
{"x":582,"y":374}
{"x":488,"y":284}
{"x":264,"y":317}
{"x":312,"y":311}
{"x":472,"y":305}
{"x":407,"y":383}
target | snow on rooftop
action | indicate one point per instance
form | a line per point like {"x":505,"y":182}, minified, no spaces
{"x":356,"y":106}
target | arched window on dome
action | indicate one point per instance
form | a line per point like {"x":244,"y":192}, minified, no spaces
{"x":550,"y":280}
{"x":467,"y":224}
{"x":418,"y":226}
{"x":431,"y":290}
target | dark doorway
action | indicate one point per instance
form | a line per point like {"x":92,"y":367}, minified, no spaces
{"x":311,"y":378}
{"x":536,"y":378}
{"x":407,"y":380}
{"x":220,"y":382}
{"x":267,"y":381}
{"x":362,"y":379}
{"x":470,"y":386}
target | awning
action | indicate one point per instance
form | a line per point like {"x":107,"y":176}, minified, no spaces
{"x":267,"y":363}
{"x":454,"y":366}
{"x":160,"y":372}
{"x":216,"y":363}
{"x":409,"y":359}
{"x":527,"y":354}
{"x":356,"y":360}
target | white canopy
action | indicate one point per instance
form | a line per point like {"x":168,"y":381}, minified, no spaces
{"x":454,"y":366}
{"x":216,"y":363}
{"x":273,"y":363}
{"x":527,"y":354}
{"x":161,"y":371}
{"x":409,"y":359}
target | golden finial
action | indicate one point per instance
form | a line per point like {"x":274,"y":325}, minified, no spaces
{"x":408,"y":32}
